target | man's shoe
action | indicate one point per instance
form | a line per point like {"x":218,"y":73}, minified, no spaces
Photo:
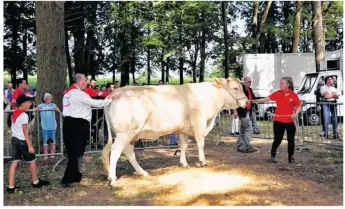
{"x":250,"y":150}
{"x":256,"y":132}
{"x":336,"y":136}
{"x":40,"y":183}
{"x":65,"y":185}
{"x":237,"y":133}
{"x":292,"y":160}
{"x":273,"y":159}
{"x":11,"y":190}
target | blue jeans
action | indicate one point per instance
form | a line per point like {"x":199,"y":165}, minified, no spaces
{"x":173,"y":139}
{"x":254,"y":123}
{"x":328,"y":109}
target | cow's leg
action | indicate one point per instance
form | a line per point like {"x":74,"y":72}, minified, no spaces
{"x":183,"y":139}
{"x":129,"y":152}
{"x":200,"y":140}
{"x":116,"y":150}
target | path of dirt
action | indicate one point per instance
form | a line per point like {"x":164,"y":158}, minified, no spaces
{"x":231,"y":178}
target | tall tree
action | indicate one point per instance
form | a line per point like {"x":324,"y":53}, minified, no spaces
{"x":51,"y":54}
{"x":297,"y":27}
{"x":318,"y":34}
{"x":225,"y":31}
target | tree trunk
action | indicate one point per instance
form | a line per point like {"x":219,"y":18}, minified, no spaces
{"x":162,"y":66}
{"x":226,"y":45}
{"x":167,"y":70}
{"x":203,"y":48}
{"x":194,"y":61}
{"x":25,"y":69}
{"x":181,"y":70}
{"x":133,"y":68}
{"x":51,"y":50}
{"x":263,"y":22}
{"x":318,"y":34}
{"x":148,"y":65}
{"x":14,"y":43}
{"x":68,"y":56}
{"x":255,"y":25}
{"x":297,"y":27}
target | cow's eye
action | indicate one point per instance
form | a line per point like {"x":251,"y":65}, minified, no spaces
{"x":236,"y":89}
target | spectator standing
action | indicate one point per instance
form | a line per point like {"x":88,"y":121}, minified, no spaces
{"x":330,"y":95}
{"x":22,"y":147}
{"x":77,"y":117}
{"x":48,"y":123}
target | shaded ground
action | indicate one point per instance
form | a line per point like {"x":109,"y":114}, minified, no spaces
{"x":231,"y":178}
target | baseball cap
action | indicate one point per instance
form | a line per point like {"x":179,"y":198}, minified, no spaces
{"x":23,"y":98}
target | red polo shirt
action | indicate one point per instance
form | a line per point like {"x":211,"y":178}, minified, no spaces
{"x":287,"y":102}
{"x":105,"y":94}
{"x":15,"y":96}
{"x":91,"y":92}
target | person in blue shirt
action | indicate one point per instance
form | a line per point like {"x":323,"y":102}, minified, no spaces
{"x":48,"y":123}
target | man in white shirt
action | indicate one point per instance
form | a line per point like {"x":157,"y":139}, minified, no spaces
{"x":76,"y":125}
{"x":330,"y":96}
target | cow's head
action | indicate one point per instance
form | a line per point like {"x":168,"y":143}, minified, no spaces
{"x":235,"y":95}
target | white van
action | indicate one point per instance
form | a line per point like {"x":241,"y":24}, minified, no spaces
{"x":308,"y":89}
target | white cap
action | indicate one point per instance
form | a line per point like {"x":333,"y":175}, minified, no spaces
{"x":46,"y":95}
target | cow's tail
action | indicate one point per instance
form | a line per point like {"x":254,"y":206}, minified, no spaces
{"x":107,"y":148}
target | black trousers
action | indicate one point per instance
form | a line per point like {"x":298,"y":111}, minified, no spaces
{"x":75,"y":135}
{"x":279,"y":129}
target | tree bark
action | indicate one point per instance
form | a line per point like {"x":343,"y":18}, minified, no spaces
{"x":297,"y":27}
{"x":51,"y":50}
{"x":318,"y":34}
{"x":226,"y":45}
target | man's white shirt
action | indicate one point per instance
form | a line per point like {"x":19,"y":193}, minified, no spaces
{"x":329,"y":89}
{"x":77,"y":104}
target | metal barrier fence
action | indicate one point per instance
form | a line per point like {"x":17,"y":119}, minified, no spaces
{"x":309,"y":129}
{"x":35,"y":133}
{"x":310,"y":125}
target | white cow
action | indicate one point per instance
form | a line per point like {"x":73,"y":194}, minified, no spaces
{"x":152,"y":111}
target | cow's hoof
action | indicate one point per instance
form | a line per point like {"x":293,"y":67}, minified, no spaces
{"x":145,"y":174}
{"x":112,"y":183}
{"x":203,"y":164}
{"x":184,"y":165}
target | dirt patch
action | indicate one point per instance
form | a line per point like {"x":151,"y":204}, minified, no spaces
{"x":231,"y":178}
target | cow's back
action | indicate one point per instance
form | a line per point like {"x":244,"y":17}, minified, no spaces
{"x":163,"y":109}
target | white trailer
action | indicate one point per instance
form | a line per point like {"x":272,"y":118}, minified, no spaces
{"x":267,"y":69}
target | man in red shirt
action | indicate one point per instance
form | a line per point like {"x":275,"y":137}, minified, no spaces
{"x":21,"y":86}
{"x":288,"y":107}
{"x":91,"y":90}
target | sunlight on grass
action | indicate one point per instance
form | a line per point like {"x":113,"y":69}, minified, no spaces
{"x":182,"y":185}
{"x":193,"y":182}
